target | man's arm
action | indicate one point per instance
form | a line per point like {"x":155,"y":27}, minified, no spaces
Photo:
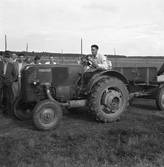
{"x":103,"y":65}
{"x":109,"y":65}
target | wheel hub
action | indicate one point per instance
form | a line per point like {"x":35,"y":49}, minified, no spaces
{"x":111,"y":100}
{"x":47,"y":116}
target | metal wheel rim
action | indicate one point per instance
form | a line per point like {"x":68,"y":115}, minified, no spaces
{"x":47,"y":116}
{"x":114,"y":97}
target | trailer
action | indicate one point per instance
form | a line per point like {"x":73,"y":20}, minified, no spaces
{"x":143,"y":83}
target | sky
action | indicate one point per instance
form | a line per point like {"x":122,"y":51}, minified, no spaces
{"x":123,"y":27}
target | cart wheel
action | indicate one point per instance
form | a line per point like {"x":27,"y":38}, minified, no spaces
{"x":47,"y":115}
{"x":22,"y":110}
{"x":108,"y":100}
{"x":160,"y":99}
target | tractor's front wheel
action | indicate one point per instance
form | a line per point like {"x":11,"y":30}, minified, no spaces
{"x":47,"y":115}
{"x":109,"y":99}
{"x":160,"y":99}
{"x":22,"y":110}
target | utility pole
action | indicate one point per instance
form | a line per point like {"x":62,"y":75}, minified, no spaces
{"x":5,"y":42}
{"x":62,"y":58}
{"x":27,"y":47}
{"x":115,"y":57}
{"x":81,"y":46}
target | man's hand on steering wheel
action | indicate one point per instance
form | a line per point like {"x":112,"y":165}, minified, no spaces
{"x":93,"y":62}
{"x":89,"y":61}
{"x":85,"y":61}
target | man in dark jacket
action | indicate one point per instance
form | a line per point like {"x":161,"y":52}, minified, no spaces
{"x":7,"y":77}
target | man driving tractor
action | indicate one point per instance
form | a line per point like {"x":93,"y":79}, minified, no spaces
{"x":96,"y":62}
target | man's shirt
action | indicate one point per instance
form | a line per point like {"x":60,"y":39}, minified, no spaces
{"x":20,"y":65}
{"x":101,"y":61}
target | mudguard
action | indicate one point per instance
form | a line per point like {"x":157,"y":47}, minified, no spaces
{"x":104,"y":74}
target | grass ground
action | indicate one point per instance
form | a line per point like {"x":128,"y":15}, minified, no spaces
{"x":137,"y":140}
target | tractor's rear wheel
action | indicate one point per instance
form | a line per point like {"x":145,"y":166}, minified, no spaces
{"x":109,"y":99}
{"x":22,"y":110}
{"x":160,"y":99}
{"x":47,"y":115}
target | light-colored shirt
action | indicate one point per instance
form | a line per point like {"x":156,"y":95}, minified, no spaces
{"x":5,"y":67}
{"x":19,"y":69}
{"x":14,"y":60}
{"x":109,"y":65}
{"x":49,"y":62}
{"x":102,"y":63}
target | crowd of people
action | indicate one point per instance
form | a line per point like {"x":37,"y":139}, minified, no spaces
{"x":11,"y":65}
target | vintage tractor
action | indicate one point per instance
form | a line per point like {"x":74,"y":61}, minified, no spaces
{"x":46,"y":89}
{"x":143,"y":83}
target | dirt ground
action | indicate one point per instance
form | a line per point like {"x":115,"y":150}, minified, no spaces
{"x":140,"y":109}
{"x":141,"y":117}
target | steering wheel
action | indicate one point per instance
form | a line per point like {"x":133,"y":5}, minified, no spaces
{"x":85,"y":61}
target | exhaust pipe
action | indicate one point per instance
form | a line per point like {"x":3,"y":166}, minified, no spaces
{"x":70,"y":104}
{"x":78,"y":103}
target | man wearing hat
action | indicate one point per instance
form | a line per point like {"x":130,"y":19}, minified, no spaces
{"x":7,"y":77}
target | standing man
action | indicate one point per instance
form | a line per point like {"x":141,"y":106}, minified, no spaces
{"x":19,"y":65}
{"x":7,"y":77}
{"x":51,"y":60}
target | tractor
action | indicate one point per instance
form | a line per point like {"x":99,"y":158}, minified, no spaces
{"x":46,"y":89}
